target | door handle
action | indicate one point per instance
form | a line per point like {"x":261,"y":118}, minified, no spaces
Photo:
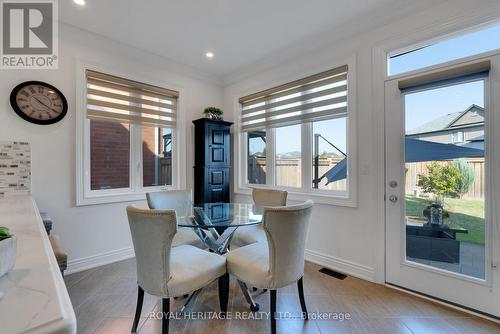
{"x":393,"y":198}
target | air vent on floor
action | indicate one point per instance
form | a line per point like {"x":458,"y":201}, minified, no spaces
{"x":333,"y":273}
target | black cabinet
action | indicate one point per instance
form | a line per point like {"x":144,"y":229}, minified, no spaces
{"x":212,"y":161}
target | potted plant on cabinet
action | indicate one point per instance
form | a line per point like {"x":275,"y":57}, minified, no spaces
{"x":213,"y":113}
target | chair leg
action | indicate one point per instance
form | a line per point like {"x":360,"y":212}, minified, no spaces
{"x":273,"y":311}
{"x":166,"y":315}
{"x":138,"y":309}
{"x":300,"y":287}
{"x":223,"y":292}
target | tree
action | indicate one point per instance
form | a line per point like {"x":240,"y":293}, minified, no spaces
{"x":467,"y":176}
{"x":441,"y":181}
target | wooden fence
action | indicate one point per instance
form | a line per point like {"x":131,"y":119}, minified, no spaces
{"x":476,"y":191}
{"x":289,"y":172}
{"x":165,"y":173}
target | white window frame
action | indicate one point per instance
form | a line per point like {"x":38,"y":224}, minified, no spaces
{"x":136,"y":191}
{"x":457,"y":137}
{"x":346,"y":198}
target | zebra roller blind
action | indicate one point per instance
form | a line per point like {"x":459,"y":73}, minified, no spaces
{"x":316,"y":97}
{"x":121,"y":100}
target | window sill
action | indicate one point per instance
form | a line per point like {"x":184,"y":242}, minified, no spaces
{"x":302,"y":196}
{"x":113,"y":196}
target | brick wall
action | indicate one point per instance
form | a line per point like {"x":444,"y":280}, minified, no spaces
{"x":110,"y":155}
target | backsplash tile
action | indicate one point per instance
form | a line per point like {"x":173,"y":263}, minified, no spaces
{"x":15,"y":168}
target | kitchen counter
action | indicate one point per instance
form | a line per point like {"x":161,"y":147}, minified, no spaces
{"x":33,"y":296}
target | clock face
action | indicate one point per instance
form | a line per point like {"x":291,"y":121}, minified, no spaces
{"x":39,"y":102}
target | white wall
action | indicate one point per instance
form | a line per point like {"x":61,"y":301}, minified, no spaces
{"x":349,"y":239}
{"x":91,"y":234}
{"x":352,"y":239}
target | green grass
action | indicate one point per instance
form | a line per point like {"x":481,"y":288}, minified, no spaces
{"x":464,"y":213}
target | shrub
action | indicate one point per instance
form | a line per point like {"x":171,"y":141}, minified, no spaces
{"x":442,"y":181}
{"x":467,"y":176}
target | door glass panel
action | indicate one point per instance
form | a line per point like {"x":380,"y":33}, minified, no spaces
{"x":445,"y":178}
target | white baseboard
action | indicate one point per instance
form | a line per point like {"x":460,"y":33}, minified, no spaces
{"x":98,"y":260}
{"x":343,"y":266}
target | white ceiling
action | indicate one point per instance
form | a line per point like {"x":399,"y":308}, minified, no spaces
{"x":239,"y":32}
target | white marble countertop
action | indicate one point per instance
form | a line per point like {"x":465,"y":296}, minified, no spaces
{"x":33,"y":296}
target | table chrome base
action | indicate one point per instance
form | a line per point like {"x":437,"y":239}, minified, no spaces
{"x":219,"y":243}
{"x":254,"y":307}
{"x":190,"y":301}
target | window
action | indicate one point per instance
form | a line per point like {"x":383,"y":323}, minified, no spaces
{"x":157,"y":156}
{"x":129,"y":129}
{"x":297,"y":136}
{"x":457,"y":137}
{"x":256,"y":158}
{"x":330,"y":154}
{"x":462,"y":46}
{"x":109,"y":155}
{"x":288,"y":157}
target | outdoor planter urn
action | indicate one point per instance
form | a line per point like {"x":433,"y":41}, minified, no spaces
{"x":435,"y":214}
{"x":7,"y":255}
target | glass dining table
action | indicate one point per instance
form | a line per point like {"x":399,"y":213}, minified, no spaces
{"x":215,"y":224}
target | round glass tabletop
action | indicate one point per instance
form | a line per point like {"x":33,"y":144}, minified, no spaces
{"x":211,"y":215}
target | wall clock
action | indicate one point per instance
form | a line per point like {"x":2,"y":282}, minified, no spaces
{"x":38,"y":102}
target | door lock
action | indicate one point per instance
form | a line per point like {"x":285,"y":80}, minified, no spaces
{"x":393,"y":198}
{"x":393,"y":184}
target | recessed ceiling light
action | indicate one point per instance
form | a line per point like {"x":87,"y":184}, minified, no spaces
{"x":209,"y":54}
{"x":79,"y":2}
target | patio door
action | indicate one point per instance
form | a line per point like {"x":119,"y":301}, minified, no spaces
{"x":442,"y":172}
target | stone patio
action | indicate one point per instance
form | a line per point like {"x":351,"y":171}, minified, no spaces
{"x":471,"y":261}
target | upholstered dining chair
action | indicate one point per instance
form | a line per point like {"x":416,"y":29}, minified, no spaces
{"x":280,"y":261}
{"x":262,"y":198}
{"x":166,"y":271}
{"x":181,"y":202}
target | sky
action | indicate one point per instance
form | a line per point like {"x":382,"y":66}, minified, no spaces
{"x":334,"y":130}
{"x":423,"y":107}
{"x":455,"y":48}
{"x":420,"y":107}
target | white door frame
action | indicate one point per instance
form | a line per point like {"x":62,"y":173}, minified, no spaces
{"x":481,"y":295}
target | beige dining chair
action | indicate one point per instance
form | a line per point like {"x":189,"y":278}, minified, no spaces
{"x":262,"y":198}
{"x":166,"y":271}
{"x":181,"y":202}
{"x":280,"y":261}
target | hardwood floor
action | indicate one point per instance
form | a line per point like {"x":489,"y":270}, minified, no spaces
{"x":104,"y":299}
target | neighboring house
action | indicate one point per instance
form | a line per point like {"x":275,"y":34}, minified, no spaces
{"x":464,"y":128}
{"x":476,"y":142}
{"x":455,"y":128}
